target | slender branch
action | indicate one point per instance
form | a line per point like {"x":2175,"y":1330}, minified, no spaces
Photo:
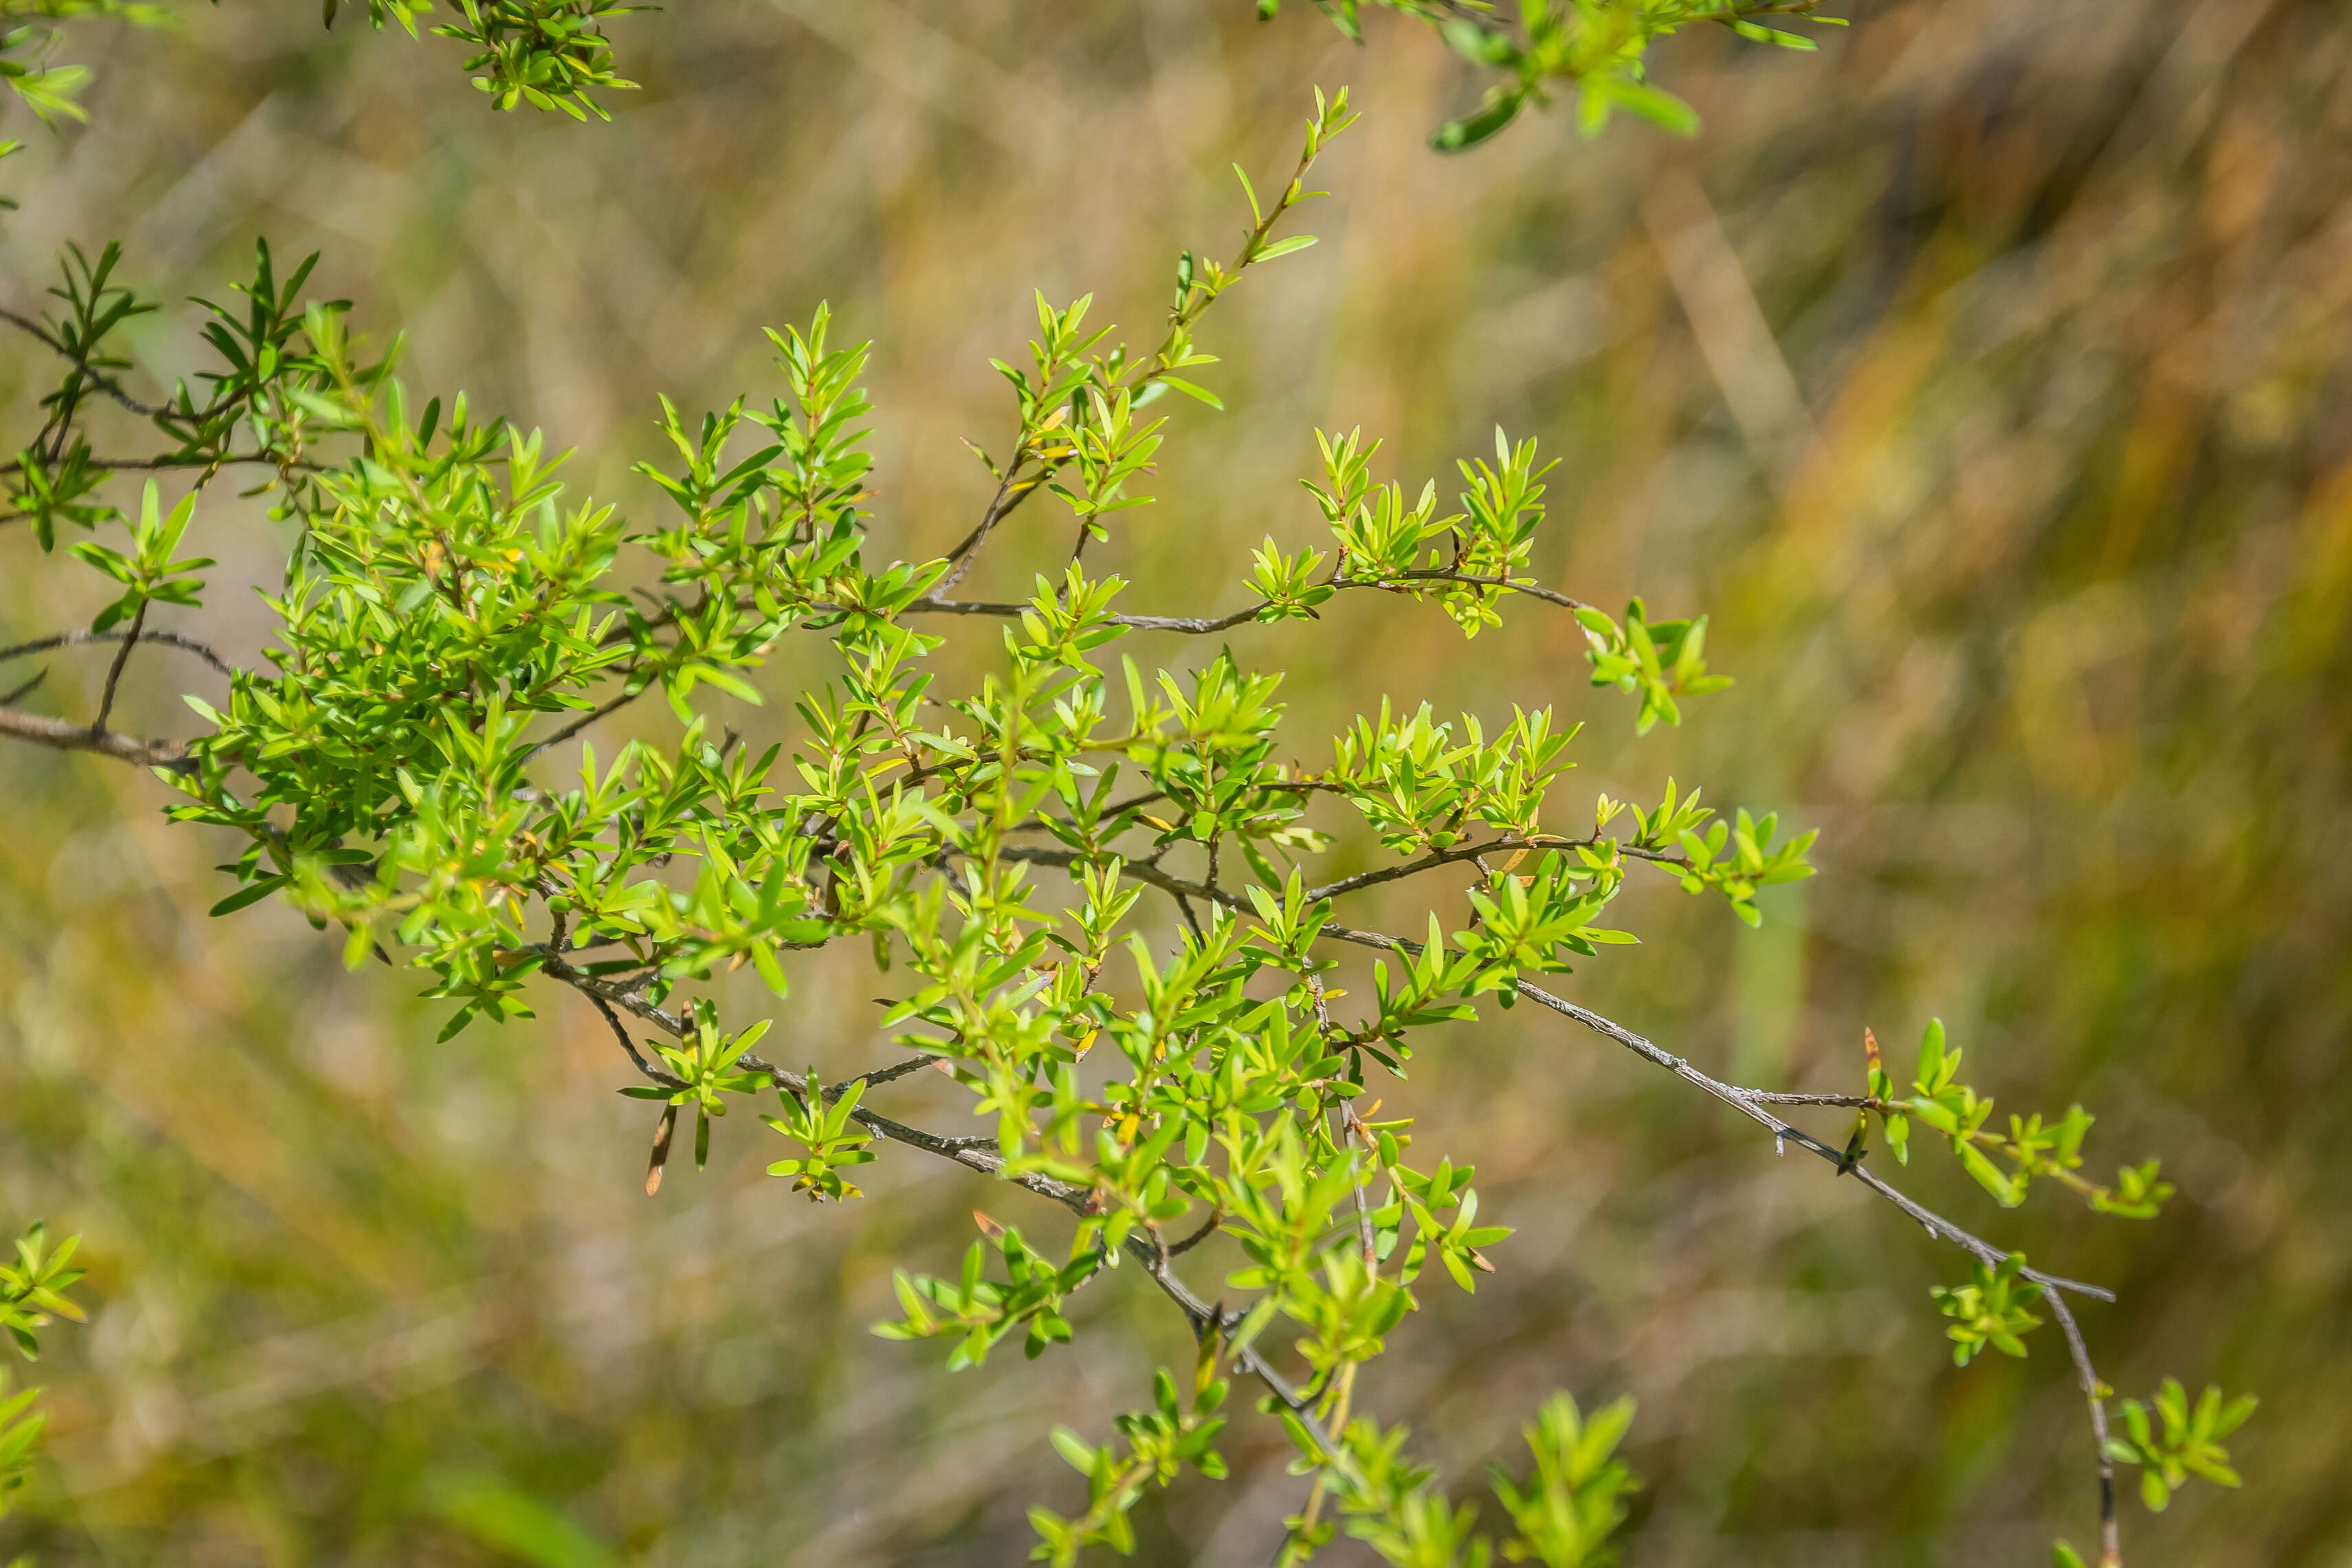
{"x":1184,"y":907}
{"x":1345,"y":1114}
{"x":2095,"y":1394}
{"x":1194,"y":625}
{"x":162,"y":639}
{"x":1222,"y":1320}
{"x":1199,"y":625}
{"x":1141,"y":871}
{"x":625,"y":997}
{"x":1153,"y":877}
{"x":883,"y":1075}
{"x":1779,"y":1097}
{"x":1747,"y":1102}
{"x":171,"y":460}
{"x":1428,"y":862}
{"x":1000,"y":506}
{"x":605,"y":712}
{"x":1440,"y":574}
{"x":27,"y":325}
{"x":114,"y":670}
{"x":1108,"y":813}
{"x":620,"y":1033}
{"x":43,"y":731}
{"x":105,"y":383}
{"x":1209,"y":1227}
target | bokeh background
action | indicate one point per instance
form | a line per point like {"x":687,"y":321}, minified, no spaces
{"x":1988,"y":376}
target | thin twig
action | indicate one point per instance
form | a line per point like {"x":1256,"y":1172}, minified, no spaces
{"x":161,"y":639}
{"x":1000,"y":507}
{"x":1747,"y":1102}
{"x":1194,"y":625}
{"x":171,"y":460}
{"x":620,"y":1033}
{"x":2094,"y":1394}
{"x":1207,"y":1227}
{"x":1778,"y":1097}
{"x":114,"y":670}
{"x":591,"y":717}
{"x":1201,"y":625}
{"x":1345,"y":1114}
{"x":43,"y":731}
{"x":883,"y":1075}
{"x":105,"y":384}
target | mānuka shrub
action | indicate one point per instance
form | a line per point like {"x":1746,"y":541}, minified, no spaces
{"x":1198,"y":1107}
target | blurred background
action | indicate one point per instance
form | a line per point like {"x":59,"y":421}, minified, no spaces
{"x":1987,"y":376}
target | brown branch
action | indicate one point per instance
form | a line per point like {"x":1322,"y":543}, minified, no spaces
{"x":105,"y":383}
{"x":1107,"y":814}
{"x":1193,"y":624}
{"x":620,"y":1033}
{"x":1207,"y":1227}
{"x":171,"y":460}
{"x":1000,"y":506}
{"x":625,"y":997}
{"x":43,"y":731}
{"x":605,"y":712}
{"x":2095,"y":1394}
{"x":1439,"y":575}
{"x":1747,"y":1102}
{"x":1152,"y":876}
{"x":1428,"y":862}
{"x":1200,"y":626}
{"x":883,"y":1075}
{"x":1142,"y":871}
{"x":161,"y":639}
{"x":1778,"y":1097}
{"x":114,"y":670}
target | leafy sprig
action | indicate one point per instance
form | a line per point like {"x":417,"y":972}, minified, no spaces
{"x":1596,"y":49}
{"x":453,"y":615}
{"x":2187,"y":1443}
{"x":31,"y":1290}
{"x":1954,"y":1109}
{"x":550,"y":54}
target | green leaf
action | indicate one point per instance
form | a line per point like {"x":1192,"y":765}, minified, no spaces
{"x":1199,"y":393}
{"x":252,"y":893}
{"x":508,"y":1520}
{"x":1458,"y":135}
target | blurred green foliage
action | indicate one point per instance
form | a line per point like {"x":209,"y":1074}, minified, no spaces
{"x":1992,"y":388}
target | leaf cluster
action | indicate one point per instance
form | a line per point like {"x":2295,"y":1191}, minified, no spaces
{"x":550,"y":54}
{"x":1596,"y":49}
{"x":2183,"y":1440}
{"x":1101,"y":888}
{"x":31,"y":1290}
{"x":1956,"y":1112}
